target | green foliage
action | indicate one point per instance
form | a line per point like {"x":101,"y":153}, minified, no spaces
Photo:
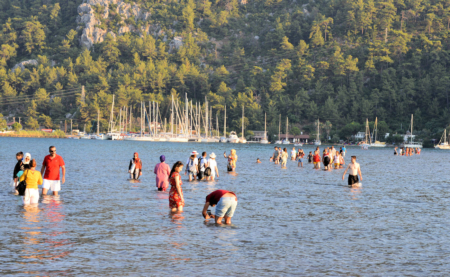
{"x":16,"y":126}
{"x":3,"y":123}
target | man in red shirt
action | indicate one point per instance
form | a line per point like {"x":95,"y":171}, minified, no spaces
{"x":226,"y":202}
{"x":51,"y":165}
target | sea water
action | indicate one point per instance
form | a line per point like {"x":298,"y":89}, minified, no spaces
{"x":294,"y":221}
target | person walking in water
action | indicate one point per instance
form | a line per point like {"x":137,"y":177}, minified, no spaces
{"x":135,"y":167}
{"x":226,"y":202}
{"x":32,"y":178}
{"x":51,"y":165}
{"x":355,"y":169}
{"x":17,"y":168}
{"x":162,"y":171}
{"x":213,"y":166}
{"x":192,"y":166}
{"x":232,"y":159}
{"x":203,"y":165}
{"x":293,"y":154}
{"x":316,"y":159}
{"x":300,"y":156}
{"x":176,"y":197}
{"x":284,"y":157}
{"x":275,"y":156}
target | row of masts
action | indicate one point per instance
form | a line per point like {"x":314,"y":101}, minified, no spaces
{"x":188,"y":121}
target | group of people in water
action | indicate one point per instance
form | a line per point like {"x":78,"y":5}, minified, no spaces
{"x":26,"y":176}
{"x":406,"y":151}
{"x":198,"y":168}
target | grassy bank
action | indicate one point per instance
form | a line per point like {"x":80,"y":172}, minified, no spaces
{"x":35,"y":134}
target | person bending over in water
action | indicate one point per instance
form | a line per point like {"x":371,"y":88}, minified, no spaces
{"x":355,"y":169}
{"x":176,"y":197}
{"x":226,"y":202}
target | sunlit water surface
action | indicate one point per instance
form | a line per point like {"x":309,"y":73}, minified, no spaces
{"x":297,"y":221}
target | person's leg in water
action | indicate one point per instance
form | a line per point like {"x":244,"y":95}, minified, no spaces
{"x":136,"y":174}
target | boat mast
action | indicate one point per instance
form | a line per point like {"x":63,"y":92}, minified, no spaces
{"x":411,"y":128}
{"x":186,"y":118}
{"x":243,"y":121}
{"x":265,"y":126}
{"x":279,"y":128}
{"x":287,"y":119}
{"x":98,"y":122}
{"x":318,"y":135}
{"x":111,"y":117}
{"x":171,"y":118}
{"x":206,"y":118}
{"x":141,"y":119}
{"x":217,"y":125}
{"x":367,"y":130}
{"x":225,"y":123}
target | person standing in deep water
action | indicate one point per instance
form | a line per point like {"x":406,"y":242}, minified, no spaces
{"x":226,"y":202}
{"x":51,"y":165}
{"x":176,"y":197}
{"x":135,"y":167}
{"x":162,"y":171}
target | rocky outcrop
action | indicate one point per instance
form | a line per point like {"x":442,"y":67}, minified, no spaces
{"x":24,"y":63}
{"x":92,"y":33}
{"x":176,"y":43}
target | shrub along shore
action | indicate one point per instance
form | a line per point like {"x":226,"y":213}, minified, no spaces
{"x":34,"y":134}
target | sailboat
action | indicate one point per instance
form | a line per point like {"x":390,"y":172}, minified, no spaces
{"x":376,"y":143}
{"x":279,"y":132}
{"x":140,"y":137}
{"x":264,"y":140}
{"x":286,"y":139}
{"x":112,"y":134}
{"x":224,"y":138}
{"x":317,"y":141}
{"x":412,"y":144}
{"x":242,"y":139}
{"x":443,"y":144}
{"x":365,"y":145}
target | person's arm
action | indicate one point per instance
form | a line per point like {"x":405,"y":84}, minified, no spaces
{"x":129,"y":167}
{"x":63,"y":180}
{"x":217,"y":171}
{"x":140,"y":171}
{"x":42,"y":169}
{"x":22,"y":178}
{"x":343,"y":175}
{"x":205,"y":211}
{"x":177,"y":185}
{"x":225,"y":155}
{"x":359,"y":171}
{"x":40,"y":181}
{"x":154,"y":170}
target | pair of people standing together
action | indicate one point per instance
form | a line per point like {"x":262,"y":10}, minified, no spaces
{"x":202,"y":167}
{"x":26,"y":171}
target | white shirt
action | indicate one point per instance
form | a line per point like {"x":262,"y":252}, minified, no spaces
{"x":191,"y":165}
{"x":203,"y":163}
{"x":293,"y":153}
{"x":212,"y":165}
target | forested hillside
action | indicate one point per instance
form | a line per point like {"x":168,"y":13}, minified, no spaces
{"x":341,"y":61}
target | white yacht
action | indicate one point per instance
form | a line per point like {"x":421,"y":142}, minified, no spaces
{"x":412,"y":144}
{"x":443,"y":144}
{"x":264,"y":140}
{"x":375,"y":134}
{"x":233,"y":138}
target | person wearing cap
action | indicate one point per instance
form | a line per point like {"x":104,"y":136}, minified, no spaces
{"x":213,"y":166}
{"x":192,"y":166}
{"x":162,"y":171}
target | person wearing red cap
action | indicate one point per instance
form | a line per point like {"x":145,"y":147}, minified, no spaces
{"x":135,"y":167}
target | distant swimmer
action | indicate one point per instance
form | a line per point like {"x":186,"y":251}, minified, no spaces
{"x":162,"y":171}
{"x":258,"y":161}
{"x":225,"y":202}
{"x":176,"y":197}
{"x":135,"y":167}
{"x":355,"y":169}
{"x":284,"y":157}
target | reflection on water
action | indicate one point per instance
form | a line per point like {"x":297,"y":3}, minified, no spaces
{"x":297,"y":221}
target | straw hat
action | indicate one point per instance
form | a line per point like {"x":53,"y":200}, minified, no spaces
{"x":212,"y":155}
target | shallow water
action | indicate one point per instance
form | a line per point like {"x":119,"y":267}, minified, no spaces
{"x":297,"y":221}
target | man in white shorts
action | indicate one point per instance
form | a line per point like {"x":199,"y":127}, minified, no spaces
{"x":51,"y":165}
{"x":212,"y":164}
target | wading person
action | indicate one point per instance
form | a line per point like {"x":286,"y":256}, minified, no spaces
{"x":275,"y":156}
{"x":192,"y":166}
{"x":225,"y":202}
{"x":232,"y":159}
{"x":293,"y":154}
{"x":162,"y":171}
{"x":32,"y":178}
{"x":300,"y":156}
{"x":17,"y":168}
{"x":51,"y":165}
{"x":176,"y":197}
{"x":213,"y":167}
{"x":135,"y":167}
{"x":316,"y":159}
{"x":26,"y":161}
{"x":284,"y":157}
{"x":354,"y":169}
{"x":203,"y":165}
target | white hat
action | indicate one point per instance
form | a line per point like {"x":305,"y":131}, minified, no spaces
{"x":212,"y":155}
{"x":194,"y":152}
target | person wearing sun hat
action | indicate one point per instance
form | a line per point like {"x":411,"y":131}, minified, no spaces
{"x":192,"y":166}
{"x":162,"y":171}
{"x":212,"y":164}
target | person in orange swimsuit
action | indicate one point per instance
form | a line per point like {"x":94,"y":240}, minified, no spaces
{"x":176,"y":197}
